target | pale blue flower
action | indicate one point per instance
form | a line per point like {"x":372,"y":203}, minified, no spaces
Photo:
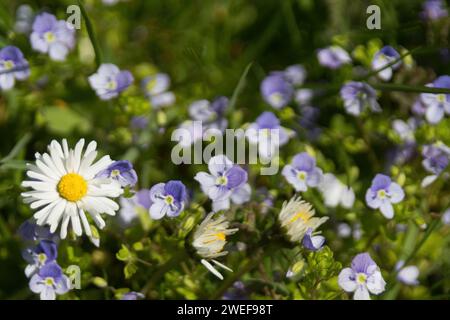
{"x":133,"y":295}
{"x":52,"y":36}
{"x":313,"y":241}
{"x":121,"y":171}
{"x":358,"y":96}
{"x":109,"y":81}
{"x":436,"y":158}
{"x":407,"y":274}
{"x":333,"y":57}
{"x":276,"y":90}
{"x":268,"y":134}
{"x":156,"y":88}
{"x":226,"y":182}
{"x":302,"y":172}
{"x":383,"y":193}
{"x":49,"y":282}
{"x":362,"y":278}
{"x":129,"y":207}
{"x":382,"y":58}
{"x":295,"y":74}
{"x":434,"y":10}
{"x":167,"y":199}
{"x":13,"y":66}
{"x":437,"y":104}
{"x":45,"y":252}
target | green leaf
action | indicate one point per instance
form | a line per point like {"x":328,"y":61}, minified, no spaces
{"x":129,"y":270}
{"x":124,"y":254}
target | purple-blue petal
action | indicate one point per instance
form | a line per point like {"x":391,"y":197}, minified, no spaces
{"x":236,"y":176}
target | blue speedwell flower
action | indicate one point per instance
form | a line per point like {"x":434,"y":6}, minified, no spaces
{"x":122,"y":171}
{"x":12,"y":66}
{"x":45,"y":252}
{"x":156,"y":88}
{"x":363,"y":277}
{"x":276,"y":90}
{"x":302,"y":172}
{"x":167,"y":199}
{"x":52,"y":36}
{"x":435,"y":159}
{"x":225,"y":182}
{"x":437,"y":104}
{"x":383,"y":193}
{"x":358,"y":96}
{"x":260,"y":133}
{"x":333,"y":57}
{"x":382,"y":58}
{"x":49,"y":281}
{"x":109,"y":81}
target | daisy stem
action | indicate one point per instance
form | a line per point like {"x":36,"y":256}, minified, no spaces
{"x":91,"y":33}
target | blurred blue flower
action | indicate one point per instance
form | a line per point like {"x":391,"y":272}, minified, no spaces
{"x":260,"y":133}
{"x":49,"y":281}
{"x":129,"y":206}
{"x":122,"y":171}
{"x":29,"y":231}
{"x":407,"y":275}
{"x":52,"y":36}
{"x":358,"y":96}
{"x":276,"y":90}
{"x":156,"y":88}
{"x":383,"y":193}
{"x":437,"y":104}
{"x":109,"y":81}
{"x":434,"y":10}
{"x":167,"y":199}
{"x":363,"y":277}
{"x":12,"y":66}
{"x":295,"y":74}
{"x":382,"y":58}
{"x":211,"y":114}
{"x":225,"y":182}
{"x":302,"y":172}
{"x":333,"y":57}
{"x":436,"y":158}
{"x":133,"y":295}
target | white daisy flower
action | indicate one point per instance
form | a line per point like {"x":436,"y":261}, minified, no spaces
{"x":297,"y":217}
{"x":65,"y":186}
{"x":209,"y":240}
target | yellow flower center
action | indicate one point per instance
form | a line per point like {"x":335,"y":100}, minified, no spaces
{"x":72,"y":187}
{"x":381,"y":194}
{"x":49,"y":281}
{"x":111,"y":85}
{"x":441,"y":98}
{"x":169,"y":199}
{"x":304,"y":215}
{"x":115,"y":173}
{"x":8,"y":64}
{"x":222,"y":181}
{"x":301,"y":175}
{"x":361,"y":278}
{"x":42,"y":258}
{"x":49,"y":37}
{"x":220,"y":236}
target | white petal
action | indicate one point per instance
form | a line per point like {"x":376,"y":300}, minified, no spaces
{"x":211,"y":269}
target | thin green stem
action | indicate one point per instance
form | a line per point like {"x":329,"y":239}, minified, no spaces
{"x":91,"y":33}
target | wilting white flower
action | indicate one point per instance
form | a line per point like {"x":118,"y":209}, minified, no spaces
{"x":65,"y":185}
{"x":209,"y":241}
{"x":297,"y":217}
{"x":407,"y":275}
